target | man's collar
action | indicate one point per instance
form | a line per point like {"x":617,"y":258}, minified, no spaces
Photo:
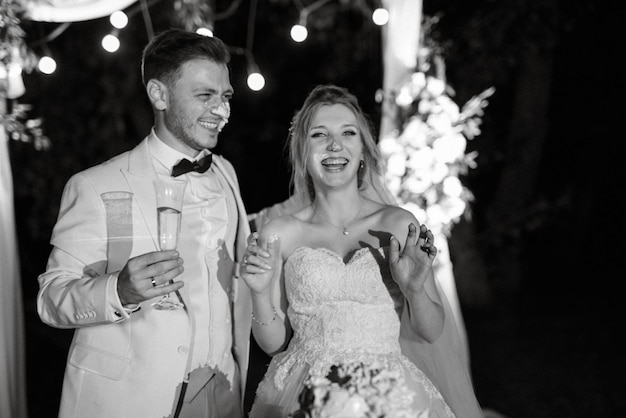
{"x":167,"y":155}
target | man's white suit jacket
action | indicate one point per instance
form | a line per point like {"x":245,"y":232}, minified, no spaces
{"x":120,"y":364}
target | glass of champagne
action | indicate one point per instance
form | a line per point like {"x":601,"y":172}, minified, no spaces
{"x":169,"y":198}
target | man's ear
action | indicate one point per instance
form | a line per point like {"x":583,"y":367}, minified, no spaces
{"x":157,"y":93}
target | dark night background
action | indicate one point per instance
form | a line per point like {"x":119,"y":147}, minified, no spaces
{"x":536,"y":266}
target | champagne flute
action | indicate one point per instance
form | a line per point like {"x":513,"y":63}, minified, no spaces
{"x":169,"y":198}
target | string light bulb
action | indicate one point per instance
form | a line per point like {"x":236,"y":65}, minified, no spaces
{"x":205,"y":31}
{"x":255,"y":80}
{"x":380,"y":16}
{"x":299,"y":32}
{"x":118,"y":19}
{"x":47,"y":64}
{"x":111,"y":42}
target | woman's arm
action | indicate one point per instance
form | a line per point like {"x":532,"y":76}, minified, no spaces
{"x":412,"y":269}
{"x":262,"y":272}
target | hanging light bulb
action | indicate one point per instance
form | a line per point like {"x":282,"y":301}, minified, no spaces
{"x":299,"y":31}
{"x":380,"y":16}
{"x":47,"y":64}
{"x":205,"y":31}
{"x":255,"y":80}
{"x":118,"y":19}
{"x":111,"y":42}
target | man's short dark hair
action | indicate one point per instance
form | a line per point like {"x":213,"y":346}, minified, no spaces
{"x":170,"y":49}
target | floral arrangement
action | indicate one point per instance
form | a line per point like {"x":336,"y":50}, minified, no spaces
{"x":22,"y":128}
{"x":427,"y":153}
{"x":357,"y":390}
{"x":16,"y":57}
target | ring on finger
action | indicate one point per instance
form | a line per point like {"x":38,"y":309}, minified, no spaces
{"x":245,"y":259}
{"x":154,"y":284}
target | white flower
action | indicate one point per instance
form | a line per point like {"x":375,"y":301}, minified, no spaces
{"x":404,"y":98}
{"x":439,"y":171}
{"x":394,"y":184}
{"x":417,"y":185}
{"x":424,"y":107}
{"x":437,"y":215}
{"x":333,"y":402}
{"x":431,"y":197}
{"x":452,"y":186}
{"x":441,"y":123}
{"x":449,"y":148}
{"x":422,"y":159}
{"x":415,"y":134}
{"x":454,"y":207}
{"x":389,"y":145}
{"x":435,"y":86}
{"x":418,"y":81}
{"x":357,"y":390}
{"x":415,"y":209}
{"x":428,"y":152}
{"x":396,"y":164}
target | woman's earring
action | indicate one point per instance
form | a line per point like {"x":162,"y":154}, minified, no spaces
{"x":361,"y":164}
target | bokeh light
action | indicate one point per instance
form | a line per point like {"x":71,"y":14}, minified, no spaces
{"x":299,"y":33}
{"x":47,"y":65}
{"x":110,"y":43}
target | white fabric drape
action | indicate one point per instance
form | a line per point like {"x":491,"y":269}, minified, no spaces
{"x":400,"y":48}
{"x":73,"y":10}
{"x":12,"y":344}
{"x":400,"y":38}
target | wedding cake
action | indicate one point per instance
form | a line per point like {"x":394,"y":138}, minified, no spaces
{"x":357,"y":390}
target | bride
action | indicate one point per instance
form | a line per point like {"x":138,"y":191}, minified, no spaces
{"x":345,"y":276}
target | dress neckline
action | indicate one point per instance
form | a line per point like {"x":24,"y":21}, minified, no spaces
{"x":350,"y":257}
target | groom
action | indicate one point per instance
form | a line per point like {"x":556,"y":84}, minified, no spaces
{"x":105,"y":270}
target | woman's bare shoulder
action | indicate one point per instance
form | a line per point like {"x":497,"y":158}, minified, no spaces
{"x":396,"y":220}
{"x":278,"y":226}
{"x":391,"y":214}
{"x":287,"y":228}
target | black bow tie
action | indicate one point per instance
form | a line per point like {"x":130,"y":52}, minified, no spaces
{"x":185,"y":166}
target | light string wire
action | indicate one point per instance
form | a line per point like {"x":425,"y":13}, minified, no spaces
{"x":305,"y":11}
{"x":146,"y":18}
{"x":144,"y":7}
{"x":250,"y":36}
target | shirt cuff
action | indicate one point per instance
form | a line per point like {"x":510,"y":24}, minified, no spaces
{"x":126,"y":310}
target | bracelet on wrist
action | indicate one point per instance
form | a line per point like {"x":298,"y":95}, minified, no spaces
{"x":264,"y":323}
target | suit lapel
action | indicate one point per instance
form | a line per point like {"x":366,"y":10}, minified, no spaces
{"x":139,"y":176}
{"x":242,"y":309}
{"x":243,"y":229}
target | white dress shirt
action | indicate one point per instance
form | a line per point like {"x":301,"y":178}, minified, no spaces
{"x":206,"y":244}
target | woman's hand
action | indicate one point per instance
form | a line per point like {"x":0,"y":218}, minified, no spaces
{"x":412,"y":267}
{"x":258,"y":263}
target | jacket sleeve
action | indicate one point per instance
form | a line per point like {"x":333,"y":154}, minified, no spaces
{"x":75,"y":290}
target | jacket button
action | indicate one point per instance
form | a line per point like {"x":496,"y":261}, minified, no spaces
{"x":182,"y":349}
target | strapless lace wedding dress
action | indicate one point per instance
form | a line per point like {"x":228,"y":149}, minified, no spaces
{"x":340,"y":312}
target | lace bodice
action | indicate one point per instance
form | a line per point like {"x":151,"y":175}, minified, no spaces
{"x":340,"y":311}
